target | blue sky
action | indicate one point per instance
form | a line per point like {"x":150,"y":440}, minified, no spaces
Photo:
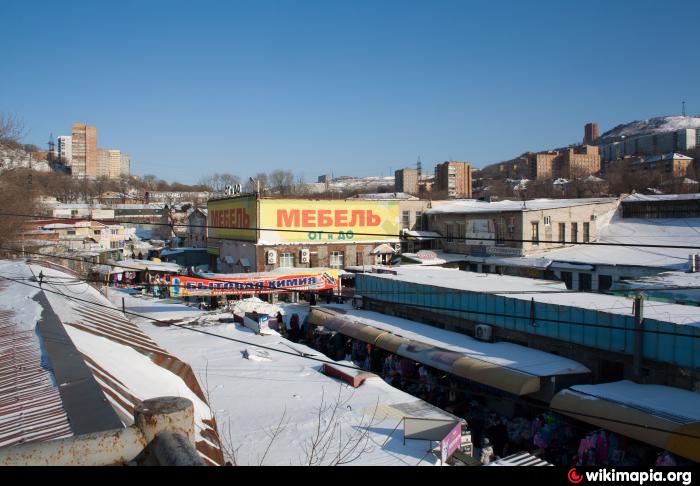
{"x":354,"y":87}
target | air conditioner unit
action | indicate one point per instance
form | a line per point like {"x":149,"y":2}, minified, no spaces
{"x":271,"y":257}
{"x":304,"y":255}
{"x":483,"y":332}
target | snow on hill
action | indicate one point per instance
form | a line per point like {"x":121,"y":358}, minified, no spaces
{"x":12,"y":158}
{"x":660,"y":124}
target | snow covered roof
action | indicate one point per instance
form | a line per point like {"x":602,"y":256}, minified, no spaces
{"x":653,"y":414}
{"x":633,"y":198}
{"x":281,"y":394}
{"x":630,"y":231}
{"x":147,"y":265}
{"x":682,"y":406}
{"x":422,"y":235}
{"x":31,"y":409}
{"x":509,"y":355}
{"x":387,"y":195}
{"x":544,"y":291}
{"x":473,"y":206}
{"x":435,"y":257}
{"x":129,"y":366}
{"x":659,"y":157}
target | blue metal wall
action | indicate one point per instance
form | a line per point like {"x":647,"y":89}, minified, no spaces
{"x":682,"y":350}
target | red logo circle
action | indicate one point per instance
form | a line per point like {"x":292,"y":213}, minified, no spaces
{"x":574,"y":477}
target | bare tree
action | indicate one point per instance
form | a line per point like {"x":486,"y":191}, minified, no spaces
{"x":219,"y":182}
{"x":282,"y":181}
{"x":11,"y":128}
{"x":259,"y":178}
{"x":328,"y":447}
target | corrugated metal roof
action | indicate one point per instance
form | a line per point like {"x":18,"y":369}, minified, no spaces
{"x":111,"y":324}
{"x":31,"y":409}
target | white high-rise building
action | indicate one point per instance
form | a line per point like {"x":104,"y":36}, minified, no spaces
{"x":64,"y":149}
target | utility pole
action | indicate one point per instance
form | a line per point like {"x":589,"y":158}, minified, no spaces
{"x":638,"y":337}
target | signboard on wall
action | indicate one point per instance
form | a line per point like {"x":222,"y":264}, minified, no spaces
{"x":304,"y":221}
{"x":261,"y":284}
{"x":481,"y":228}
{"x":232,"y":218}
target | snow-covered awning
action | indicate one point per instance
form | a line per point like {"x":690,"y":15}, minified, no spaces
{"x":422,"y":235}
{"x":571,"y":266}
{"x":383,"y":249}
{"x":106,"y":269}
{"x":663,"y":416}
{"x":474,"y":360}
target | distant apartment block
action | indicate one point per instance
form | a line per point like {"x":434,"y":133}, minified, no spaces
{"x":102,"y":162}
{"x":664,"y":166}
{"x":454,"y":178}
{"x":115,"y":164}
{"x":84,"y":148}
{"x":406,"y":180}
{"x":590,"y":133}
{"x":125,"y":165}
{"x":570,"y":163}
{"x":64,"y":149}
{"x":660,"y":135}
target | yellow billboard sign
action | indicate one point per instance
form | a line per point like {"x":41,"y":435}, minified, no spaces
{"x":233,"y":218}
{"x":304,"y":221}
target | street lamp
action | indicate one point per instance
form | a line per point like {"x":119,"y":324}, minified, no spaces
{"x":255,"y":181}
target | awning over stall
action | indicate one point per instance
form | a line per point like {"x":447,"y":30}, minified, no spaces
{"x":475,"y":365}
{"x":662,"y":416}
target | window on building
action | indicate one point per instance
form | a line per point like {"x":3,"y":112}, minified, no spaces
{"x":286,"y":260}
{"x":562,"y":233}
{"x":115,"y":231}
{"x":584,"y":281}
{"x":586,"y":232}
{"x":547,"y":220}
{"x":336,"y":260}
{"x":462,"y":231}
{"x":501,"y":232}
{"x":406,"y":219}
{"x":360,"y":258}
{"x":70,"y":232}
{"x":73,"y":213}
{"x":449,"y":231}
{"x":567,"y":278}
{"x":96,"y":232}
{"x":114,"y":244}
{"x":574,"y":232}
{"x":419,"y":220}
{"x":604,"y":282}
{"x":535,"y":233}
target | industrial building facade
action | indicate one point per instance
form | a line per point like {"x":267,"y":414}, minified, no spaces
{"x":515,"y":228}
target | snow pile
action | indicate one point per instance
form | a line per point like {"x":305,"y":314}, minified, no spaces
{"x":254,"y":304}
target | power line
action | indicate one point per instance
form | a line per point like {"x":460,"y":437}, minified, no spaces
{"x":447,"y":292}
{"x":345,"y":233}
{"x":424,"y":292}
{"x":309,"y":357}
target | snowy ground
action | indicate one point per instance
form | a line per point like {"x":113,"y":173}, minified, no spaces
{"x":268,"y":409}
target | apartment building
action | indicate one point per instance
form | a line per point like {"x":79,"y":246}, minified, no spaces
{"x":454,"y":179}
{"x":84,"y":150}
